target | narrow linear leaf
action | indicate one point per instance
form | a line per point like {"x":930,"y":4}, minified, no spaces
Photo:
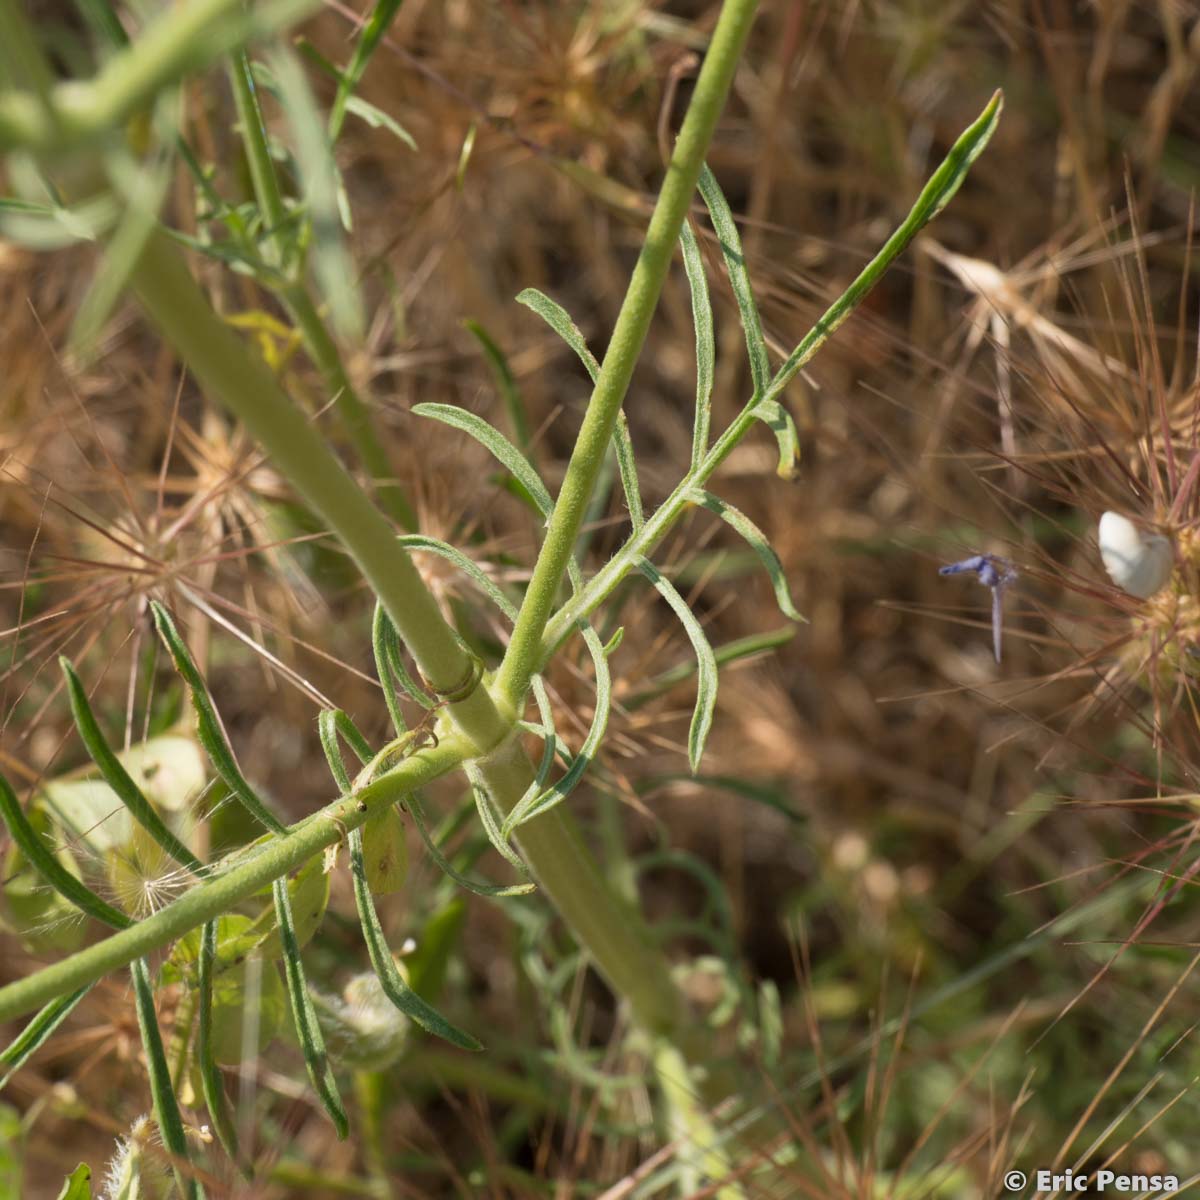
{"x":208,"y":726}
{"x":757,"y":541}
{"x":549,"y":733}
{"x":706,"y":353}
{"x":935,"y":195}
{"x":166,"y":1107}
{"x":38,"y":1032}
{"x":211,"y":1082}
{"x":331,"y":723}
{"x":117,"y":778}
{"x":706,"y":663}
{"x":493,"y":891}
{"x":627,"y":465}
{"x":536,"y":801}
{"x":560,"y":321}
{"x":740,"y":648}
{"x":312,"y":1044}
{"x":496,"y":443}
{"x":390,"y":979}
{"x":49,"y":868}
{"x":373,"y":30}
{"x":431,"y":545}
{"x":739,"y":278}
{"x":514,"y":402}
{"x":486,"y":808}
{"x":378,"y":119}
{"x":777,"y":418}
{"x":390,"y":668}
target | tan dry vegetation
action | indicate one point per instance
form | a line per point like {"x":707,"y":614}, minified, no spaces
{"x":981,"y":401}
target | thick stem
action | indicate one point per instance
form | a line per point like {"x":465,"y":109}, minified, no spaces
{"x":524,"y":651}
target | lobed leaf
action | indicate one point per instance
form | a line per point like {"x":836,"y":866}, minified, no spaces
{"x":739,"y":278}
{"x":162,"y":1091}
{"x":312,"y":1043}
{"x":706,"y":663}
{"x":208,"y":725}
{"x":757,"y":541}
{"x":390,"y":979}
{"x":117,"y":778}
{"x":50,"y":869}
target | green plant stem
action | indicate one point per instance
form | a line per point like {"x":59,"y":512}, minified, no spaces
{"x":322,"y":349}
{"x":352,"y":410}
{"x":937,"y":192}
{"x":184,"y":38}
{"x":222,"y":892}
{"x":234,"y":376}
{"x":633,"y":321}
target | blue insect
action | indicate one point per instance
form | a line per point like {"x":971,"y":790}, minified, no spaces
{"x":993,"y":572}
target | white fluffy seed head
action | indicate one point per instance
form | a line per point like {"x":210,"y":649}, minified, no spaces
{"x":1138,"y":563}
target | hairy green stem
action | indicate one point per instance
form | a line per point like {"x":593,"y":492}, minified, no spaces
{"x":633,"y":321}
{"x":221,"y":893}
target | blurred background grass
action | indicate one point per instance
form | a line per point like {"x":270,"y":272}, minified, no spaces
{"x":935,"y":861}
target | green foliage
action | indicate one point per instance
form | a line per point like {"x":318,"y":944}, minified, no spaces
{"x":224,"y":926}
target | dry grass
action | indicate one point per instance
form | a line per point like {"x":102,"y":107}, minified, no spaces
{"x":1011,"y":380}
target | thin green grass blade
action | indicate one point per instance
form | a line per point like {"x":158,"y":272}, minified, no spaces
{"x":208,"y":726}
{"x":514,"y":402}
{"x":777,"y":418}
{"x":38,"y":1032}
{"x":49,"y":868}
{"x":706,"y":663}
{"x":117,"y":778}
{"x":211,"y":1082}
{"x":312,"y":1043}
{"x":166,"y":1107}
{"x":757,"y":541}
{"x":373,"y":30}
{"x":739,"y":278}
{"x":935,"y":195}
{"x":706,"y":352}
{"x":390,"y":979}
{"x":536,"y":800}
